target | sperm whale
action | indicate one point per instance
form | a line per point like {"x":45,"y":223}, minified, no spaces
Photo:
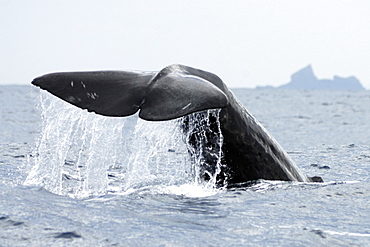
{"x":249,"y":151}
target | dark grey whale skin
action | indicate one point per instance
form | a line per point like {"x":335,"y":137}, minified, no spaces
{"x":249,"y":152}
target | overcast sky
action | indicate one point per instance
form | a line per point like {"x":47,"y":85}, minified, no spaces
{"x":246,"y":43}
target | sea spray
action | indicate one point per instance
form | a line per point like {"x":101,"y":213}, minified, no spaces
{"x":75,"y":149}
{"x":52,"y":146}
{"x":159,"y":156}
{"x":98,"y":144}
{"x":204,"y":139}
{"x":82,"y":154}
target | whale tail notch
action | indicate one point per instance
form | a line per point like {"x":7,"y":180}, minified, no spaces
{"x":173,"y":92}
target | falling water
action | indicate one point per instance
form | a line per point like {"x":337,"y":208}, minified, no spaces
{"x":203,"y":138}
{"x":75,"y":149}
{"x":82,"y":154}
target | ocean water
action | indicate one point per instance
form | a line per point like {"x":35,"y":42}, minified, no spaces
{"x":72,"y":178}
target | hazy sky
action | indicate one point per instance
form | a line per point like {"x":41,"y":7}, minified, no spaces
{"x":246,"y":43}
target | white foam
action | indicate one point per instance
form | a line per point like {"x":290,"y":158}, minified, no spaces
{"x":190,"y":190}
{"x":355,"y":234}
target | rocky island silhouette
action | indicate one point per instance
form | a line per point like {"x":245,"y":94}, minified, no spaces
{"x":305,"y":79}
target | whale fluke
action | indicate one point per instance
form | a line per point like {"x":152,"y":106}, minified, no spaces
{"x":249,"y":152}
{"x":173,"y":92}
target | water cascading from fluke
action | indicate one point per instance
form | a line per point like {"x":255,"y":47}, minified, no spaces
{"x":75,"y":149}
{"x":82,"y":154}
{"x":204,"y":139}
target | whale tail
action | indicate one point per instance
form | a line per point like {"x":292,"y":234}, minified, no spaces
{"x":173,"y":92}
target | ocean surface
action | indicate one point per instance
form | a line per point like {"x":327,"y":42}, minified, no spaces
{"x":72,"y":178}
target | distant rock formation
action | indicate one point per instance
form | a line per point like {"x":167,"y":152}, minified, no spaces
{"x":305,"y":79}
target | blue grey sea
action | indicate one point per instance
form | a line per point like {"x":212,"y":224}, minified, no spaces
{"x":72,"y":178}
